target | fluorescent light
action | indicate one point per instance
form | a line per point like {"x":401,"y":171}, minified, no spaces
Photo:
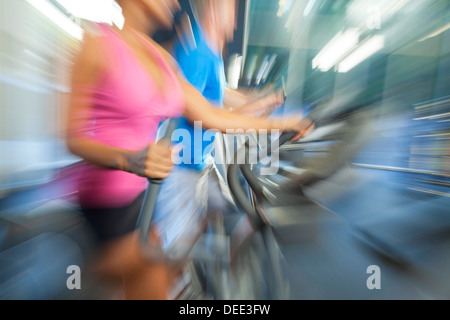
{"x":281,"y":5}
{"x":58,"y":18}
{"x":359,"y":10}
{"x":337,"y":48}
{"x":397,"y":6}
{"x":288,"y":6}
{"x":309,"y":7}
{"x":364,"y":51}
{"x":294,"y":14}
{"x":436,"y":32}
{"x":284,"y":6}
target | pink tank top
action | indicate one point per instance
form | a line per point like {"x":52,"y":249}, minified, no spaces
{"x":128,"y":107}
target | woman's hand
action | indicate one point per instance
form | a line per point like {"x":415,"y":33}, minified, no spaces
{"x":153,"y":162}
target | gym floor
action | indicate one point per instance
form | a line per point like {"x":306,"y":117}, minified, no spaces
{"x":379,"y":223}
{"x":374,"y":223}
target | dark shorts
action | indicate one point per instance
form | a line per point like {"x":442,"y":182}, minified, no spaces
{"x":180,"y":211}
{"x":112,"y":223}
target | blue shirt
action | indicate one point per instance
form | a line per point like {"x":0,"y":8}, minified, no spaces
{"x":205,"y":70}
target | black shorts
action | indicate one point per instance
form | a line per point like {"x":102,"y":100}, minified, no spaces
{"x":111,"y":223}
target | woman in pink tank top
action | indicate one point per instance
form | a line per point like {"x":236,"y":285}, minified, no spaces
{"x":123,"y":86}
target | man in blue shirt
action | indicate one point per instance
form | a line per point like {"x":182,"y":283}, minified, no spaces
{"x":203,"y":67}
{"x":202,"y":64}
{"x":195,"y":187}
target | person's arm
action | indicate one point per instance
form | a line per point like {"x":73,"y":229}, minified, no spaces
{"x":260,"y":107}
{"x":233,"y":98}
{"x":153,"y":161}
{"x":239,"y":97}
{"x":199,"y":109}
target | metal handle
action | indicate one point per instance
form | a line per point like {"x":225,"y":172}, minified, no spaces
{"x":151,"y":196}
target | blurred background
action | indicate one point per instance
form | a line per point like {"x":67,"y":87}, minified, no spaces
{"x":391,"y":57}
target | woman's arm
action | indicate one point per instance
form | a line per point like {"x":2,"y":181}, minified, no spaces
{"x":153,"y":161}
{"x":199,"y":109}
{"x":237,"y":98}
{"x":260,"y":107}
{"x":234,"y":98}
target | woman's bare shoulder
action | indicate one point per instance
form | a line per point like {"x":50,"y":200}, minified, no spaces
{"x":91,"y":57}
